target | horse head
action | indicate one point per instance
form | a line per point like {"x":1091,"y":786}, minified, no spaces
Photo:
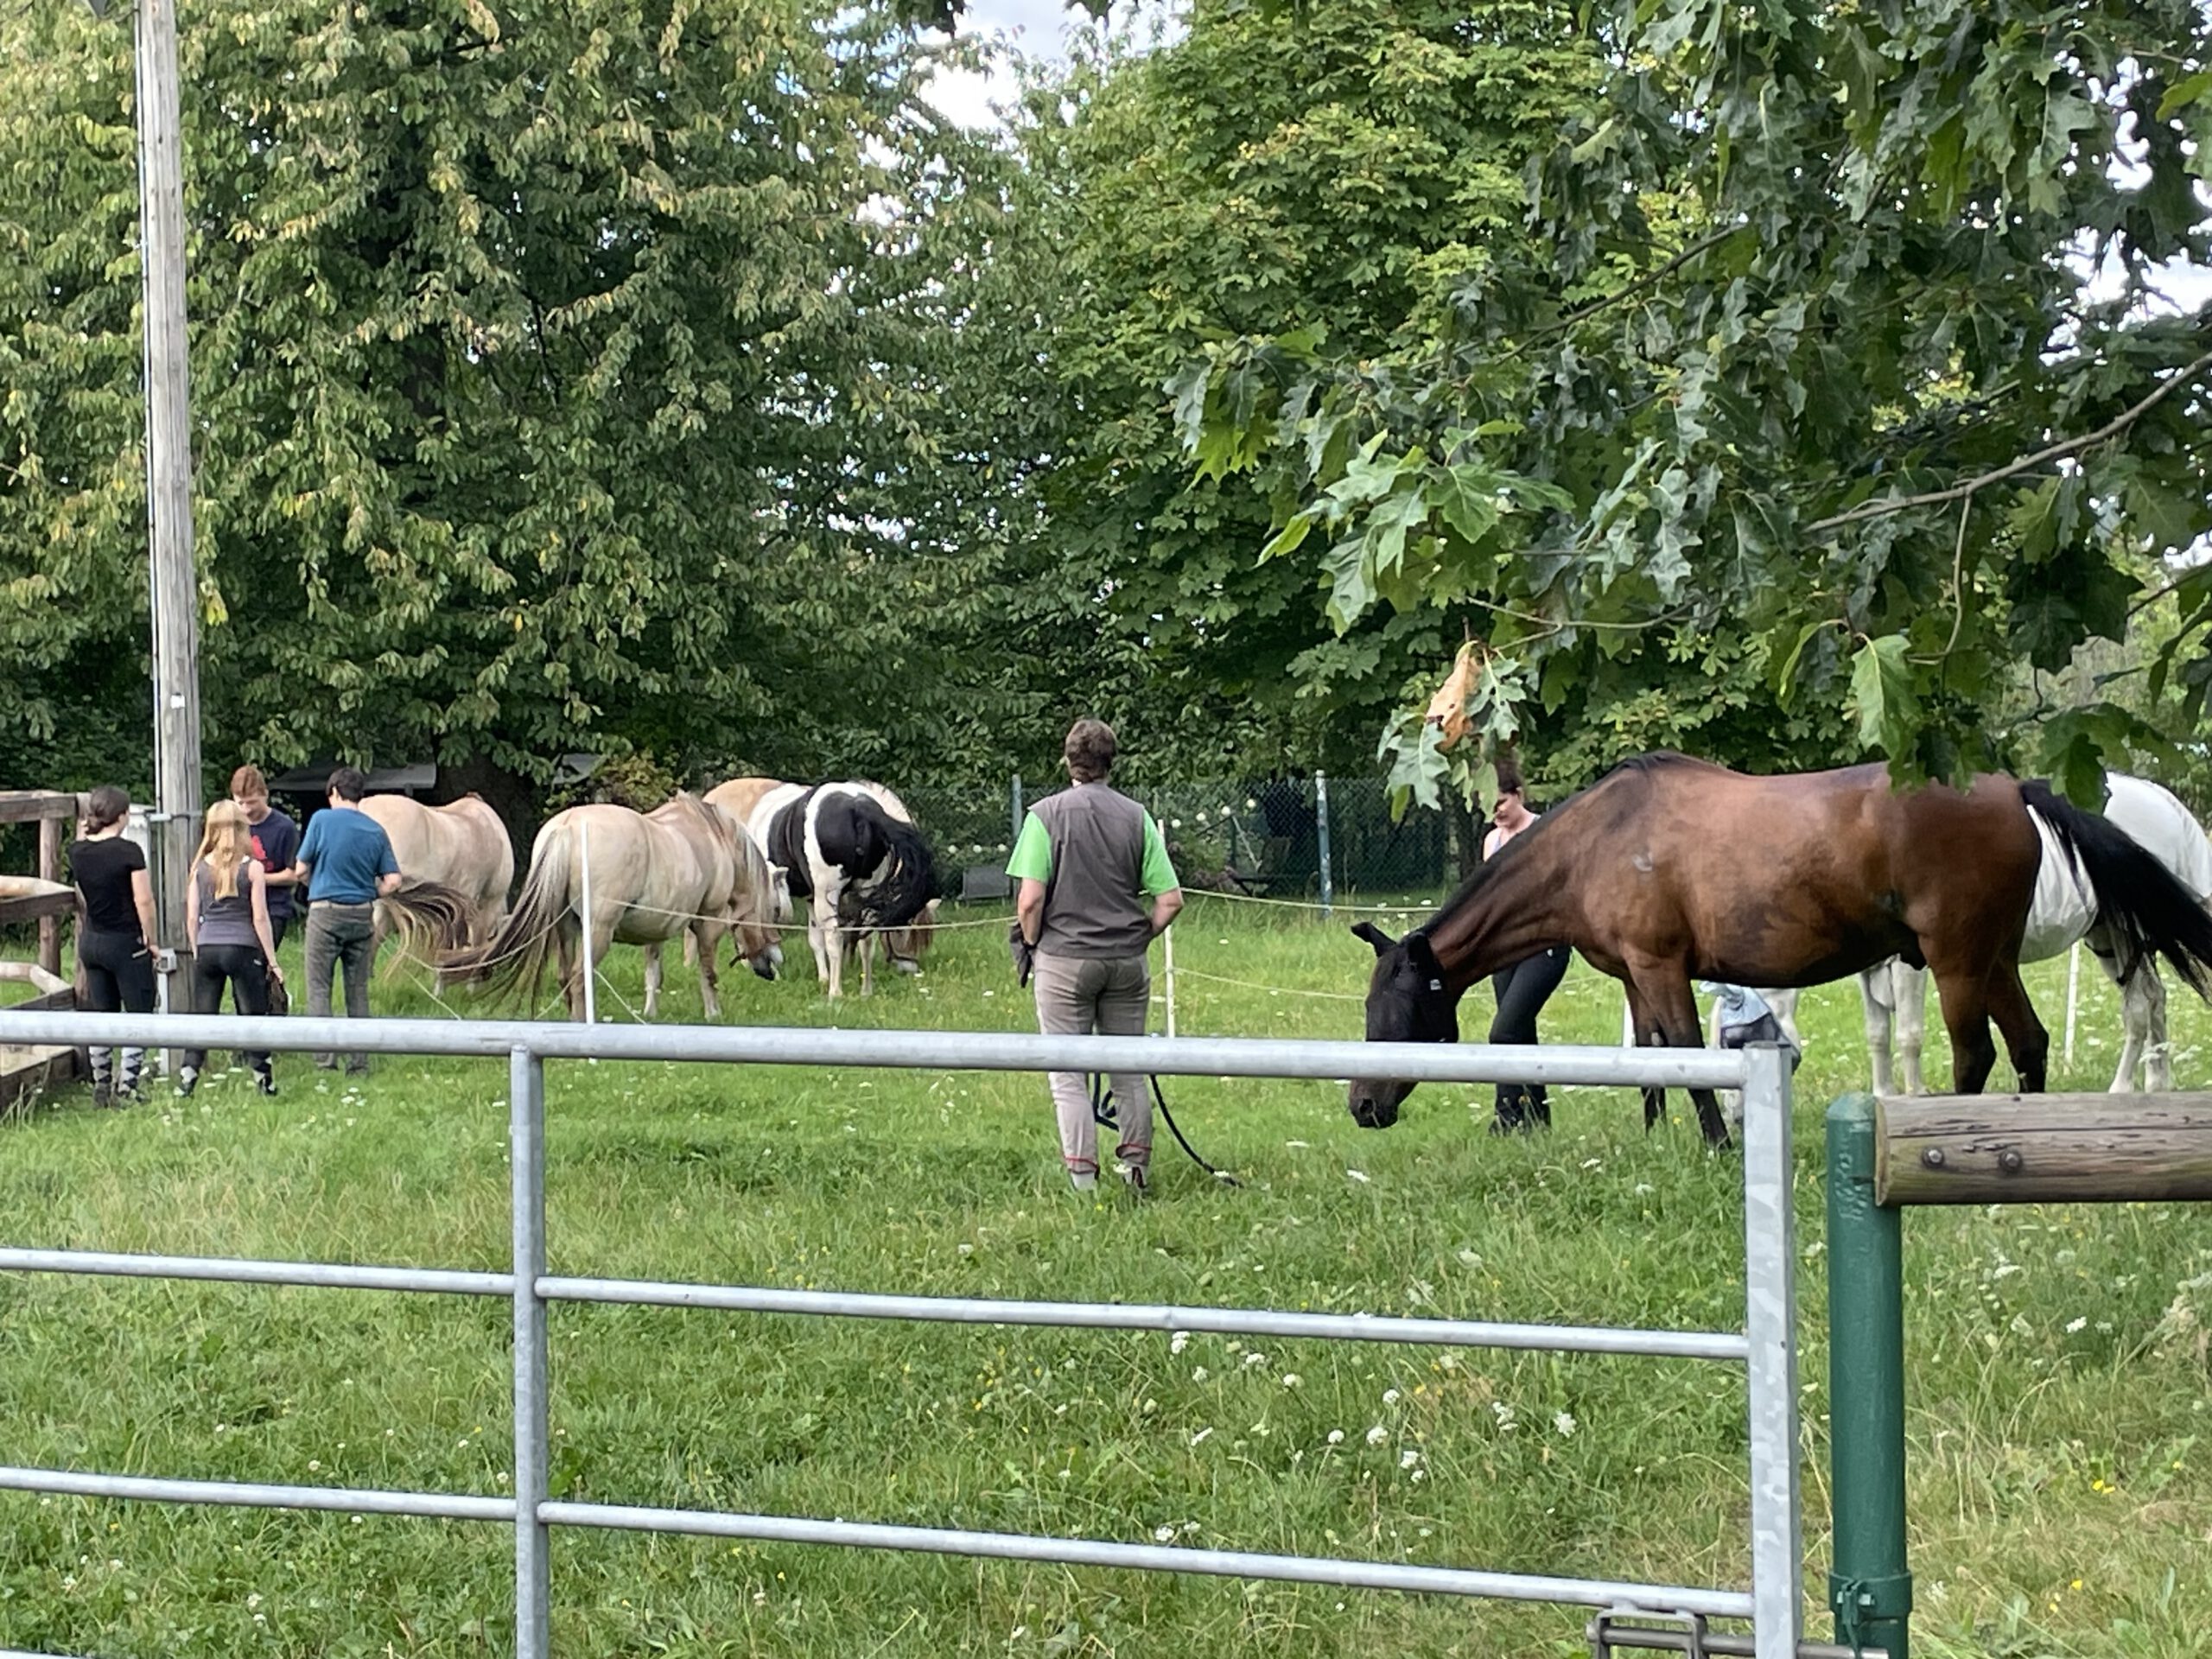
{"x":1408,"y":1001}
{"x":902,"y":892}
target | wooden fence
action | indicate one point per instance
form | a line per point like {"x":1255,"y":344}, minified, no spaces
{"x":24,"y":1070}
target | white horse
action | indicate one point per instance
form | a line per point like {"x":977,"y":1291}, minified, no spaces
{"x":2061,"y":913}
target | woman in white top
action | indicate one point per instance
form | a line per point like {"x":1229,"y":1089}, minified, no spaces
{"x":1523,"y":988}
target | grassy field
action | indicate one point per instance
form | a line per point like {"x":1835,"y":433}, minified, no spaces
{"x":2059,"y":1385}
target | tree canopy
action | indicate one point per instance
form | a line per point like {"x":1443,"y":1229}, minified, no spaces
{"x":1810,"y":355}
{"x":551,"y":368}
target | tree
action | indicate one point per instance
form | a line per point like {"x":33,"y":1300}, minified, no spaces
{"x":556,"y":375}
{"x":1338,"y":181}
{"x":1813,"y":359}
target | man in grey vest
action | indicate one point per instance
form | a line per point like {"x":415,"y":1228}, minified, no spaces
{"x":1097,"y":889}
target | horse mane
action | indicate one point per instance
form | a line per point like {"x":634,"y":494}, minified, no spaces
{"x":1636,"y":767}
{"x":901,"y":895}
{"x":1657,"y":761}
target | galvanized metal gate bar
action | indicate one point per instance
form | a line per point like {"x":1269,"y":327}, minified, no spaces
{"x":1766,"y":1344}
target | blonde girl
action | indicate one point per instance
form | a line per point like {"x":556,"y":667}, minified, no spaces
{"x":226,"y":917}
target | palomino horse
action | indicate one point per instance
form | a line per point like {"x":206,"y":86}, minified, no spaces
{"x":850,"y":850}
{"x":2062,"y":914}
{"x":461,"y":846}
{"x":685,"y":868}
{"x":1669,"y":869}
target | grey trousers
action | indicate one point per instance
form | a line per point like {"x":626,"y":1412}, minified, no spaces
{"x":1110,"y":996}
{"x":338,"y":936}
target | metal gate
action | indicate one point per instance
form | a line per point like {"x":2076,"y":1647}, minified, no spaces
{"x":1766,"y":1345}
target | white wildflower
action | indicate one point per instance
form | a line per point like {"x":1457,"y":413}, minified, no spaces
{"x":1409,"y":1458}
{"x":1163,"y":1534}
{"x":1377,"y":1434}
{"x":1336,"y":1437}
{"x":1198,"y":1374}
{"x":1178,"y":1342}
{"x":1252,"y":1359}
{"x":2073,"y":1326}
{"x":1292,"y":1380}
{"x":1564,"y":1423}
{"x":1390,"y":1396}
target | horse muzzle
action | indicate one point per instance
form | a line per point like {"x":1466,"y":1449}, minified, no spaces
{"x":1375,"y":1105}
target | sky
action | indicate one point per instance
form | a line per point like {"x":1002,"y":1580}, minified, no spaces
{"x":1037,"y":27}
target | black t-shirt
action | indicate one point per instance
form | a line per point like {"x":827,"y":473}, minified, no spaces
{"x":102,"y":869}
{"x":276,"y":844}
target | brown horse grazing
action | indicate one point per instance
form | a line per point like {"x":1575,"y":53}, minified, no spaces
{"x":1669,"y":869}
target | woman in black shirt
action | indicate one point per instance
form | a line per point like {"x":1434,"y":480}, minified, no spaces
{"x":114,"y":934}
{"x":1523,"y":988}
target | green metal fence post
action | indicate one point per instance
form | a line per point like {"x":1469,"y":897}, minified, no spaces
{"x":1870,"y":1589}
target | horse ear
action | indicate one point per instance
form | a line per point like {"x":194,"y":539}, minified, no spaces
{"x":1419,"y":950}
{"x":1374,"y":935}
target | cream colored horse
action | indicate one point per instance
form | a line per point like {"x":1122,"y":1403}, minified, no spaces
{"x":684,"y":868}
{"x":461,"y":846}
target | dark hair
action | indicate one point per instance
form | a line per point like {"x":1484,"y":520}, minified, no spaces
{"x":1090,"y":750}
{"x":103,"y":806}
{"x":1509,"y":775}
{"x":349,"y":783}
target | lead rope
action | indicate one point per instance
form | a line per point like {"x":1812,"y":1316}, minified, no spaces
{"x":1104,"y":1113}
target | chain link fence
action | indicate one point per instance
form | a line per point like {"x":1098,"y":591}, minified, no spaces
{"x":1312,"y":839}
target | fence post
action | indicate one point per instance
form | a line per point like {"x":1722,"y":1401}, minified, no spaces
{"x":2073,"y":995}
{"x":1770,"y":1328}
{"x":526,"y":1138}
{"x":583,"y":941}
{"x":49,"y":869}
{"x":1321,"y":826}
{"x":1869,"y":1587}
{"x":1017,"y":810}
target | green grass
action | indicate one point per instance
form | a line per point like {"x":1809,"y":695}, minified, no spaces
{"x":2058,"y":1360}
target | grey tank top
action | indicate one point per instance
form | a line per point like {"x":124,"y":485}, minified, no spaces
{"x":1095,"y":907}
{"x":226,"y":921}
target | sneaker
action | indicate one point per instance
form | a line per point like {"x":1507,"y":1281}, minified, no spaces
{"x":186,"y":1081}
{"x":1084,"y":1180}
{"x":1137,"y":1179}
{"x":266,"y":1082}
{"x":101,"y":1093}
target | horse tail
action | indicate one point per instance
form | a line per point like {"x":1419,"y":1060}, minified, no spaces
{"x":899,"y":898}
{"x":2147,"y":909}
{"x":431,"y":918}
{"x":513,"y":958}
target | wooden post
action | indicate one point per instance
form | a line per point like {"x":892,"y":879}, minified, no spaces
{"x":2073,"y":995}
{"x":2042,"y":1148}
{"x":49,"y":869}
{"x":175,"y":818}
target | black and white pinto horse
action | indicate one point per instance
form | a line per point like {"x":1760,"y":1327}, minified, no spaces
{"x":854,"y":855}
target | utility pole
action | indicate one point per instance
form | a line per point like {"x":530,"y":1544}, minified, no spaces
{"x":176,"y":822}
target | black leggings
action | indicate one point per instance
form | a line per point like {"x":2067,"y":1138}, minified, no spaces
{"x":119,"y":972}
{"x":247,"y":972}
{"x":1521,"y":991}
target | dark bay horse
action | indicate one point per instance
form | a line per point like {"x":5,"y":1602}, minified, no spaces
{"x":1669,"y":869}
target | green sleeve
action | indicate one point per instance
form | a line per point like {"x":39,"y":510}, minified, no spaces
{"x":1159,"y":875}
{"x":1032,"y":852}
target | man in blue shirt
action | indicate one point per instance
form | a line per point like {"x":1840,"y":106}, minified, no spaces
{"x":347,"y":863}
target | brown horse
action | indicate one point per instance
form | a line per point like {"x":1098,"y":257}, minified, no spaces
{"x":1670,"y":869}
